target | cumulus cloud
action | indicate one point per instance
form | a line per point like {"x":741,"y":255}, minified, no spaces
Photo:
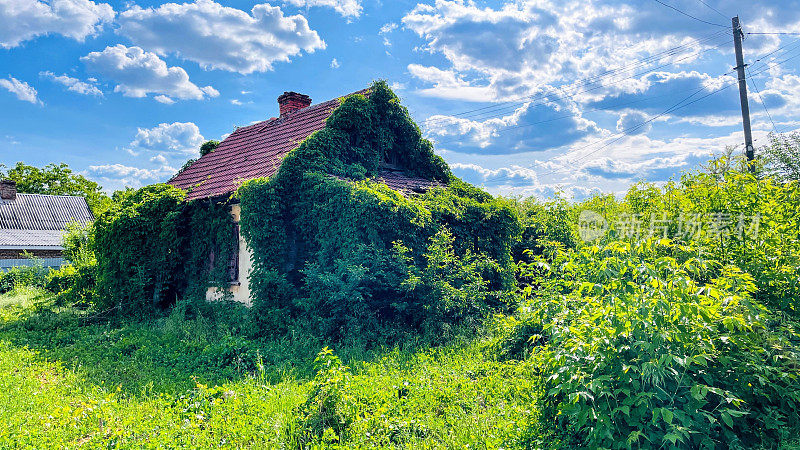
{"x":533,"y":126}
{"x":139,"y":73}
{"x":182,"y":138}
{"x":385,"y":30}
{"x":220,"y":37}
{"x":74,"y":84}
{"x":347,"y":8}
{"x":521,"y":46}
{"x":504,"y":176}
{"x":633,"y":122}
{"x":26,"y":19}
{"x":662,"y":91}
{"x":335,"y":64}
{"x":119,"y":176}
{"x":21,"y":89}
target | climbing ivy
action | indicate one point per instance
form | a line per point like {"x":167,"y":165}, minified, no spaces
{"x":153,"y":248}
{"x":329,"y":241}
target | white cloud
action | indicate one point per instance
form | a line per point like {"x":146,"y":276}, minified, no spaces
{"x":175,"y":138}
{"x":531,"y":126}
{"x":26,"y":19}
{"x":504,"y":176}
{"x":447,"y":84}
{"x":139,"y":73}
{"x":119,"y":176}
{"x":385,"y":30}
{"x":164,"y":99}
{"x":519,"y":47}
{"x":335,"y":64}
{"x":220,"y":37}
{"x":347,"y":8}
{"x":159,"y":159}
{"x":21,"y":89}
{"x":633,"y":122}
{"x":74,"y":84}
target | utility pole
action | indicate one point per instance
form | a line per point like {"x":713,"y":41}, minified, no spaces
{"x":748,"y":134}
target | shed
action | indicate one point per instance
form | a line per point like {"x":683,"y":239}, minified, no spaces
{"x":34,"y":224}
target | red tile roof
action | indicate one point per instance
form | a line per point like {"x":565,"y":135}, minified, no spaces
{"x":258,"y":150}
{"x":251,"y":152}
{"x":405,"y":184}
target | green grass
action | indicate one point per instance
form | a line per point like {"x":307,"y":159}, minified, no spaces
{"x":68,"y":379}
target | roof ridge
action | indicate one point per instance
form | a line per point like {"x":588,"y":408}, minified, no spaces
{"x":50,"y":195}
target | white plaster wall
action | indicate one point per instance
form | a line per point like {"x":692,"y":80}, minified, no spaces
{"x":241,"y":290}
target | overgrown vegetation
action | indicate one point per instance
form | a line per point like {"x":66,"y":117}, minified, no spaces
{"x":337,"y":252}
{"x":665,"y":319}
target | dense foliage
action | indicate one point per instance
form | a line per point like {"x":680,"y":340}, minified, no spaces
{"x":331,"y":243}
{"x":667,"y":318}
{"x":153,"y":248}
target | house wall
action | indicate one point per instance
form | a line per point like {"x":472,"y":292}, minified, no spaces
{"x":240,"y":290}
{"x":38,"y":253}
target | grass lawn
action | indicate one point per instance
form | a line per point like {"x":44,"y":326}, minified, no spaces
{"x":68,"y":379}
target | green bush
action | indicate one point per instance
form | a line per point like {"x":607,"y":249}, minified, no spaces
{"x":650,"y":345}
{"x":16,"y":277}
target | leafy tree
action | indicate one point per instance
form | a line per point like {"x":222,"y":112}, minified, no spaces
{"x":782,"y":156}
{"x":208,"y":147}
{"x":57,"y":179}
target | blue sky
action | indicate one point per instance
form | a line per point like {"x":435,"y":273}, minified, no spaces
{"x":524,"y":98}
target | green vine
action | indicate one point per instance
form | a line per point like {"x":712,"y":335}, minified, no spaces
{"x":324,"y":227}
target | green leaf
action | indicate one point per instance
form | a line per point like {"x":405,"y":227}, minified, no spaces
{"x":727,"y":419}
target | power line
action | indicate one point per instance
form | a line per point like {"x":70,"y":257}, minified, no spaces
{"x":753,"y":84}
{"x":714,"y":9}
{"x":790,"y":33}
{"x":689,"y":15}
{"x":671,"y":109}
{"x":614,"y":138}
{"x":600,"y":76}
{"x":492,"y":111}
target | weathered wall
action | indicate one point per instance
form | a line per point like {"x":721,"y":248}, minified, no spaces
{"x":17,"y":254}
{"x":241,"y":290}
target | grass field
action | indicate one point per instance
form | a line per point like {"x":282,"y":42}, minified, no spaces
{"x":70,"y":380}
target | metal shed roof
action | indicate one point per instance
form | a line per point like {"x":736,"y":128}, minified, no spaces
{"x":43,"y":212}
{"x":34,"y":221}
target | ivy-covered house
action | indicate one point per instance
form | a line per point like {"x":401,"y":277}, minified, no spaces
{"x":339,"y":211}
{"x":257,"y":151}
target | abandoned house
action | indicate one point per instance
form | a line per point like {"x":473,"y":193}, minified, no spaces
{"x":32,"y":225}
{"x":257,"y":151}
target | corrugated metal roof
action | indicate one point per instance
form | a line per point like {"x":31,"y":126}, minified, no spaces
{"x":31,"y":239}
{"x":252,"y":152}
{"x":42,"y":212}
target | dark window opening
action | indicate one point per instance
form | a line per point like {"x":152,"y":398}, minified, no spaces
{"x":233,"y":263}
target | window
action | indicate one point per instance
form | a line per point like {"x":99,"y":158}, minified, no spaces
{"x":233,"y":264}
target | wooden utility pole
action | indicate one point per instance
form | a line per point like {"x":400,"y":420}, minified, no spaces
{"x":748,"y":134}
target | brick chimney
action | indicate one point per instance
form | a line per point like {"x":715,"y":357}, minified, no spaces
{"x":292,"y":101}
{"x":8,"y":190}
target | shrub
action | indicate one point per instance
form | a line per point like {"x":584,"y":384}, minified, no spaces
{"x":329,"y":409}
{"x":16,"y":277}
{"x":137,"y":243}
{"x":650,"y":346}
{"x":74,"y":285}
